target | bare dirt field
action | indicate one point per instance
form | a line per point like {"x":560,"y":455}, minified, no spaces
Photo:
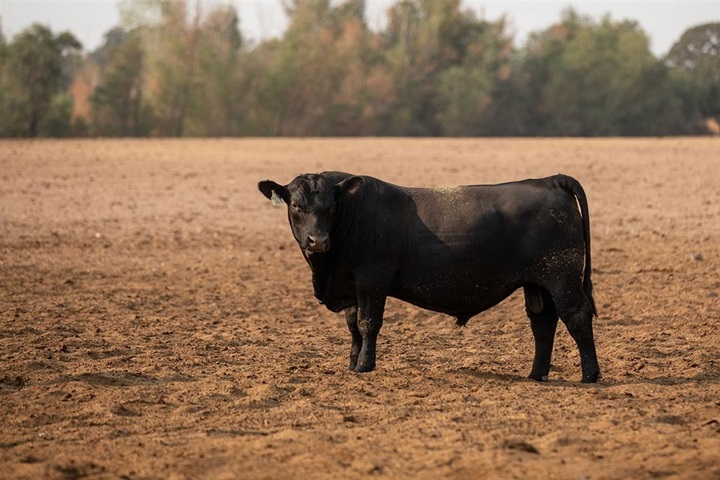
{"x":157,"y":321}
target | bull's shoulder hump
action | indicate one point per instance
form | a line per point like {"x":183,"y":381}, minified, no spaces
{"x":336,"y":177}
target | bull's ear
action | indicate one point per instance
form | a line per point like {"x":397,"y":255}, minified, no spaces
{"x":348,"y":186}
{"x":273,"y":191}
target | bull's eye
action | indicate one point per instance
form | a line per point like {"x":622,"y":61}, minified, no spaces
{"x":294,"y":206}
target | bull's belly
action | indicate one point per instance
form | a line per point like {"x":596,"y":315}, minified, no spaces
{"x":460,"y":292}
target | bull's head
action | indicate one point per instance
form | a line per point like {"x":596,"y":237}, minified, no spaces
{"x":312,"y":207}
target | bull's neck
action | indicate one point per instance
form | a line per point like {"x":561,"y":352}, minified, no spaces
{"x":317,"y":261}
{"x":321,"y":274}
{"x":346,"y":220}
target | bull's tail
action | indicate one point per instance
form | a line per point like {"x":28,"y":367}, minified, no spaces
{"x":573,"y":186}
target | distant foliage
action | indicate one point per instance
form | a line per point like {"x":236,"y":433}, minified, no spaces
{"x":117,"y":101}
{"x":36,"y":68}
{"x":589,"y":79}
{"x":695,"y":63}
{"x":173,"y":69}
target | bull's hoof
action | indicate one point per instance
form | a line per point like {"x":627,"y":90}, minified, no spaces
{"x":365,"y":367}
{"x":538,"y":377}
{"x":353,"y":365}
{"x":592,"y":378}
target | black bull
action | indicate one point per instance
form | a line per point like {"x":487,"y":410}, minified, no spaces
{"x":458,"y":251}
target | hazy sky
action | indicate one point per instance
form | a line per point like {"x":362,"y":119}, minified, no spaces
{"x":663,"y":21}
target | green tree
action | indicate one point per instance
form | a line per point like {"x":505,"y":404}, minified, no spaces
{"x":536,"y":65}
{"x":695,"y":60}
{"x":170,"y":44}
{"x":216,"y":104}
{"x":57,"y":120}
{"x":117,"y":102}
{"x":587,"y":78}
{"x":445,"y":66}
{"x":414,"y":57}
{"x":313,"y":77}
{"x":3,"y":45}
{"x":8,"y":103}
{"x":697,"y":47}
{"x":35,"y":71}
{"x":468,"y":92}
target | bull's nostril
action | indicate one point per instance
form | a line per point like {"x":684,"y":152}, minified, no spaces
{"x":318,"y":243}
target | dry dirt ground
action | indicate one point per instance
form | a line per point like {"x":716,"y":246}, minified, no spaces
{"x":157,"y":321}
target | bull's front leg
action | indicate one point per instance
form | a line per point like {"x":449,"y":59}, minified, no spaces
{"x":351,"y":319}
{"x":369,"y":321}
{"x":371,"y":289}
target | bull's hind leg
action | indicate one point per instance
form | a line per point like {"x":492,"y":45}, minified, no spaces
{"x":543,"y":320}
{"x":576,"y":312}
{"x":351,"y":319}
{"x":579,"y":324}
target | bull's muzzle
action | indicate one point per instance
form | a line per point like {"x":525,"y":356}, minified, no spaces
{"x":318,"y":243}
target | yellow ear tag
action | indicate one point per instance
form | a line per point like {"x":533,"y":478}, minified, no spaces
{"x":275,"y":199}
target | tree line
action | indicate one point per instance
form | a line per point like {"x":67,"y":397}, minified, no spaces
{"x":172,"y":69}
